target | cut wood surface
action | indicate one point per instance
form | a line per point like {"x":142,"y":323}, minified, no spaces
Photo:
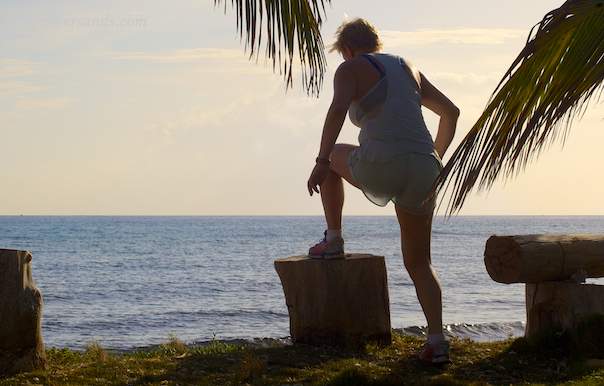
{"x":336,"y":301}
{"x":538,"y":258}
{"x":560,"y":306}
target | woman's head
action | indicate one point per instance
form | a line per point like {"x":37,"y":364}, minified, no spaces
{"x":358,"y":35}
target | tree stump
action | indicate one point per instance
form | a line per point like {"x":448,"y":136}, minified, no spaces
{"x":559,"y":306}
{"x":332,"y":302}
{"x":539,"y":258}
{"x":21,"y":345}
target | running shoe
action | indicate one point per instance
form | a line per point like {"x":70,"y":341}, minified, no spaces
{"x":437,"y":354}
{"x":328,"y":250}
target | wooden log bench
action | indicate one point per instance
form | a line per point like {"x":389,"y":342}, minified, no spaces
{"x":335,"y":302}
{"x":553,"y":268}
{"x":21,"y":345}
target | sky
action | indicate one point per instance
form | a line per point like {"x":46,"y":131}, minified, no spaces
{"x":158,"y":110}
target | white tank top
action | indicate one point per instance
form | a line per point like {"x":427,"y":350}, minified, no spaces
{"x":390,"y":115}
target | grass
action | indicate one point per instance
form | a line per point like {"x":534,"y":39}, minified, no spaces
{"x":554,"y":359}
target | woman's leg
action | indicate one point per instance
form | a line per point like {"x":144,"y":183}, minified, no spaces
{"x":332,"y":190}
{"x":416,"y":232}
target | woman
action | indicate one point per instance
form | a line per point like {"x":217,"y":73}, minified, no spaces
{"x":396,"y":160}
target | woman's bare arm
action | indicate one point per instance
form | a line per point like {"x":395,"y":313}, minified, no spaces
{"x":437,"y":102}
{"x":345,"y":88}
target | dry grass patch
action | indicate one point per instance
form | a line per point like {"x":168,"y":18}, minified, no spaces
{"x":510,"y":362}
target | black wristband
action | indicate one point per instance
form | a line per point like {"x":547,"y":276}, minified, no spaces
{"x":323,"y":161}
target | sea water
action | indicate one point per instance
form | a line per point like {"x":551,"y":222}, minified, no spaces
{"x":130,"y":281}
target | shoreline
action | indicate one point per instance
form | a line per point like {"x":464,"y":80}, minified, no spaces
{"x":481,"y":332}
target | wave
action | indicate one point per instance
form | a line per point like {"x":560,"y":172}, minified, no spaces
{"x":229,"y":313}
{"x":483,"y":332}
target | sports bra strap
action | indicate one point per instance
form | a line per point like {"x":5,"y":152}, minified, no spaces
{"x":400,"y":60}
{"x":382,"y":73}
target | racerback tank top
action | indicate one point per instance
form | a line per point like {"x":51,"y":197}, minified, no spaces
{"x":390,"y":115}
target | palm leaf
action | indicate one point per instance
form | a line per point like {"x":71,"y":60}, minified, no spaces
{"x":548,"y":85}
{"x":292,"y":26}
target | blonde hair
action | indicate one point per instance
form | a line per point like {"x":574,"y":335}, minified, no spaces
{"x":357,"y":34}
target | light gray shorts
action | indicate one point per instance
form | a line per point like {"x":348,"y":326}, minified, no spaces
{"x":406,"y":181}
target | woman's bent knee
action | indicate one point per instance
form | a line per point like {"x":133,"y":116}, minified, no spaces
{"x":339,"y":162}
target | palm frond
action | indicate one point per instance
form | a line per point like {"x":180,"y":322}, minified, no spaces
{"x":292,"y":26}
{"x":548,"y":85}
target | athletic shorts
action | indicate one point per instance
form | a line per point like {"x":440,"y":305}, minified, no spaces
{"x":406,"y":181}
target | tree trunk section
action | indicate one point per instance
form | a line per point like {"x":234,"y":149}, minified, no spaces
{"x":21,"y":345}
{"x":539,"y":258}
{"x":332,"y":302}
{"x":559,"y":306}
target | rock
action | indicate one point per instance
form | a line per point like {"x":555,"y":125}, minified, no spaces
{"x":21,"y":345}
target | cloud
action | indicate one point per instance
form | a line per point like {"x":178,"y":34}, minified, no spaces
{"x":455,"y":36}
{"x":33,"y":104}
{"x":14,"y":68}
{"x":8,"y":115}
{"x":179,"y":56}
{"x":159,"y":134}
{"x":207,"y":60}
{"x":17,"y":87}
{"x":467,"y":77}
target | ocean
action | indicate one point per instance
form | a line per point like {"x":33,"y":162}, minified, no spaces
{"x":129,"y":281}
